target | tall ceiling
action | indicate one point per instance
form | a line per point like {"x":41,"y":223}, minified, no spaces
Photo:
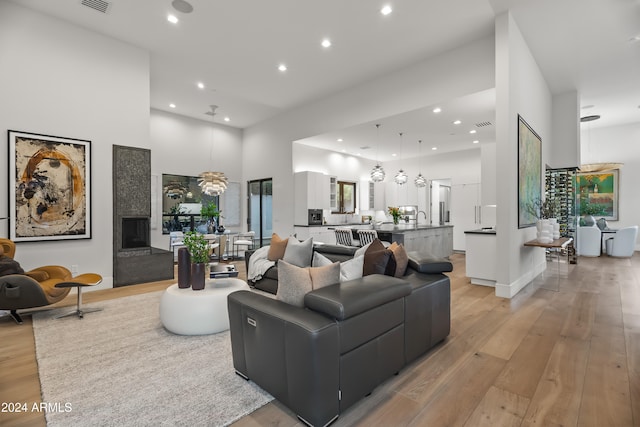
{"x":235,"y":47}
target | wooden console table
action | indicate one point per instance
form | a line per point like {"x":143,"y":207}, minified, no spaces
{"x":558,"y":244}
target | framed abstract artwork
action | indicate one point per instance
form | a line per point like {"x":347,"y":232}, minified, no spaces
{"x":529,"y":173}
{"x":49,"y":187}
{"x":598,"y":194}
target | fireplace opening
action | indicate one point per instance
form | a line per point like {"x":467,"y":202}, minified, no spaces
{"x":135,"y":233}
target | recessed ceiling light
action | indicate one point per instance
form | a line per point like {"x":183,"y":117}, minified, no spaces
{"x":472,"y":131}
{"x":172,"y":18}
{"x":457,"y":122}
{"x":326,"y":43}
{"x":476,"y":141}
{"x":172,"y":105}
{"x":394,"y":155}
{"x":437,"y":110}
{"x":339,"y":139}
{"x":344,"y":150}
{"x":227,"y":119}
{"x":386,"y":10}
{"x":200,"y":85}
{"x":434,"y":148}
{"x":282,"y":67}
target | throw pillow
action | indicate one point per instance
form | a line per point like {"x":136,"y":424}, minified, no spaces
{"x":378,"y":260}
{"x":375,"y":262}
{"x":299,"y":253}
{"x":325,"y":276}
{"x":319,"y":260}
{"x":276,"y":248}
{"x":350,"y":269}
{"x":401,"y":257}
{"x":293,"y":283}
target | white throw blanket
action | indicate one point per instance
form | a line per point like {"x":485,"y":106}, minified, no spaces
{"x":259,"y":264}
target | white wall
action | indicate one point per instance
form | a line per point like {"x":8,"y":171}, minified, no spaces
{"x":267,"y":146}
{"x":62,"y":80}
{"x":520,"y":89}
{"x":565,"y":144}
{"x":618,"y":144}
{"x":183,"y":146}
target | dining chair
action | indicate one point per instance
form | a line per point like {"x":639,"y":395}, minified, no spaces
{"x":242,"y":239}
{"x":623,"y":244}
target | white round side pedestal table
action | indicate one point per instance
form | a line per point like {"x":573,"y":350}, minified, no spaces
{"x":189,"y":312}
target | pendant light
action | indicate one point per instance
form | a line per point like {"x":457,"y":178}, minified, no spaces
{"x":401,"y":177}
{"x":377,"y":174}
{"x":212,"y":183}
{"x":420,"y":180}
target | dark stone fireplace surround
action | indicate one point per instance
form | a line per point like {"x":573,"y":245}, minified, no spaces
{"x":134,"y":260}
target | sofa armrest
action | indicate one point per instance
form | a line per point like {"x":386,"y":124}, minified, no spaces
{"x":350,"y":298}
{"x":290,"y":352}
{"x":426,"y":263}
{"x":247,"y":255}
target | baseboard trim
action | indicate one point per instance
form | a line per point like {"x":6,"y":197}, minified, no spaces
{"x":510,"y":290}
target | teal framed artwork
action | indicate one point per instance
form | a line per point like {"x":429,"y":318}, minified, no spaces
{"x":529,"y":172}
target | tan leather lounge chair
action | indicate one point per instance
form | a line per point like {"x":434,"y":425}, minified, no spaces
{"x":35,"y":288}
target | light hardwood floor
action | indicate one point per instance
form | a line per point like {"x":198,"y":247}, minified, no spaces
{"x":543,"y":358}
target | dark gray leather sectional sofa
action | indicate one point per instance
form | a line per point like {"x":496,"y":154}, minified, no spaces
{"x":350,"y":337}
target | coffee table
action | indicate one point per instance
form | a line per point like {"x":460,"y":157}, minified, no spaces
{"x":189,"y":312}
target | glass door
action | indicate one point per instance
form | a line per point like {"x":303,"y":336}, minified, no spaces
{"x":259,"y":210}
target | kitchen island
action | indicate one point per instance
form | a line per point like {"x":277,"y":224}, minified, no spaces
{"x":436,"y":240}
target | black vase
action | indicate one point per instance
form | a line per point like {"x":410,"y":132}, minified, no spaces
{"x":184,"y":268}
{"x":197,"y":276}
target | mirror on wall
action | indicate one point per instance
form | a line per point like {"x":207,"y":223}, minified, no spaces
{"x":440,"y":201}
{"x":182,"y":192}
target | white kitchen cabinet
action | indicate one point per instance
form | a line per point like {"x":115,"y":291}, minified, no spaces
{"x":466,"y":212}
{"x":323,"y":234}
{"x":333,"y":193}
{"x":480,"y":257}
{"x":311,"y":191}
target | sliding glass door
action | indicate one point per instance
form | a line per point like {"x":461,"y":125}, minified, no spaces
{"x":259,"y":210}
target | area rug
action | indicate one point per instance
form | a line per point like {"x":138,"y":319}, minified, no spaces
{"x":120,"y":367}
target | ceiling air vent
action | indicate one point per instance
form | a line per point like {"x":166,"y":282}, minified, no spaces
{"x":99,"y":5}
{"x":483,"y":124}
{"x":366,"y":147}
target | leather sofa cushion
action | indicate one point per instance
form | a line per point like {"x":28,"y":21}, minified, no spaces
{"x":425,"y":263}
{"x":353,"y":297}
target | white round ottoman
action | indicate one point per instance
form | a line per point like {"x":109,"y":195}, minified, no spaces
{"x":189,"y":312}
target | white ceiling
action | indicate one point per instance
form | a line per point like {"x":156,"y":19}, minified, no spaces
{"x":234,"y":48}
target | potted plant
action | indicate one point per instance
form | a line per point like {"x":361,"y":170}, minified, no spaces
{"x":588,"y":210}
{"x":199,"y":251}
{"x":211,"y":212}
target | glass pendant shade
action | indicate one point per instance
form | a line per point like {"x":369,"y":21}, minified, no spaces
{"x":377,"y":174}
{"x":401,"y":177}
{"x":212,"y":183}
{"x":420,"y":181}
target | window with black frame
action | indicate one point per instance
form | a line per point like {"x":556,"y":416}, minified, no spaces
{"x":346,"y":197}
